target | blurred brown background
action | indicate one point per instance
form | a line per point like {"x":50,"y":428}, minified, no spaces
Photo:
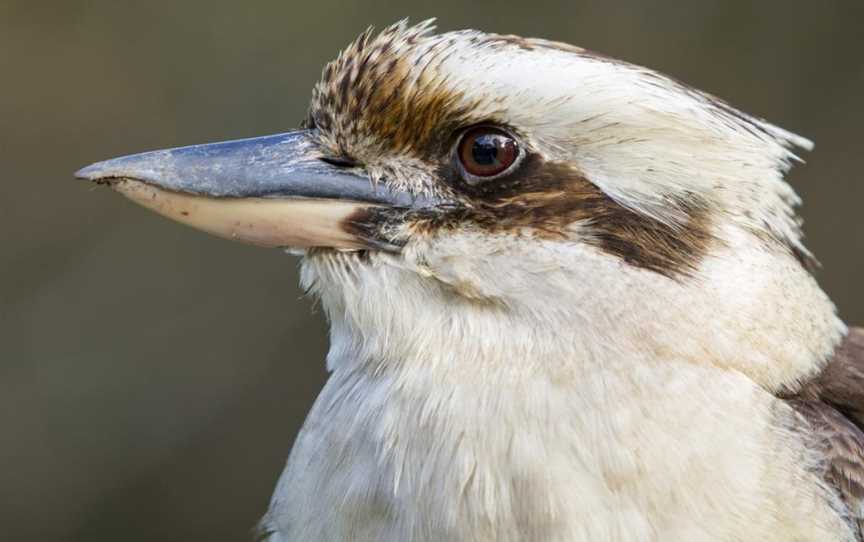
{"x":152,"y":379}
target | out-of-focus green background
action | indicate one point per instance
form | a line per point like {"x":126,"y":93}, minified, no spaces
{"x":152,"y":378}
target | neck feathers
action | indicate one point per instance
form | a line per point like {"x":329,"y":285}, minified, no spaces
{"x":539,"y":309}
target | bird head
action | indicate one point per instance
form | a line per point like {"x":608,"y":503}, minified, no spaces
{"x":517,"y":199}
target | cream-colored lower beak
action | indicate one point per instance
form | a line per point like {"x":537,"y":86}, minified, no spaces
{"x":267,"y":222}
{"x":273,"y":191}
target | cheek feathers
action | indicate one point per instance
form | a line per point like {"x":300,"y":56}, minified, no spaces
{"x":545,"y":199}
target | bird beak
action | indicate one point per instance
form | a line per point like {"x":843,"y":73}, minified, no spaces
{"x":272,"y":191}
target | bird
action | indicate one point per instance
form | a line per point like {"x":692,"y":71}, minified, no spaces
{"x":568,"y":298}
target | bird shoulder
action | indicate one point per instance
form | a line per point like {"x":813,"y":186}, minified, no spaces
{"x":832,"y":405}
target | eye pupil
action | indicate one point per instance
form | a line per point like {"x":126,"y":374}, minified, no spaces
{"x":486,"y":152}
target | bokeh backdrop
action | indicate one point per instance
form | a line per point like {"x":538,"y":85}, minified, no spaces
{"x":152,"y":378}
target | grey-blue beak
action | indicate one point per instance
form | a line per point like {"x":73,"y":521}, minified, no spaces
{"x":274,"y":191}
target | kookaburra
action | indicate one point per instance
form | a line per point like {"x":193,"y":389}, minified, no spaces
{"x":568,"y":301}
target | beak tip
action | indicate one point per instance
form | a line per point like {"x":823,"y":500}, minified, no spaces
{"x":100,"y":172}
{"x":88,"y":173}
{"x":110,"y":170}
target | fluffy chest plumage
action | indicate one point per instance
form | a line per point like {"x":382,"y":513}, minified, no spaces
{"x":661,"y":452}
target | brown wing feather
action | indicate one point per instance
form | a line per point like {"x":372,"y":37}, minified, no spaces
{"x":841,"y":382}
{"x":833,"y":405}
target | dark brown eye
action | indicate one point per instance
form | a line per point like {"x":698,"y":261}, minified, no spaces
{"x":486,"y":152}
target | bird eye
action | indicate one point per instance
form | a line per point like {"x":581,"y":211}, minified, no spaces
{"x":486,"y":152}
